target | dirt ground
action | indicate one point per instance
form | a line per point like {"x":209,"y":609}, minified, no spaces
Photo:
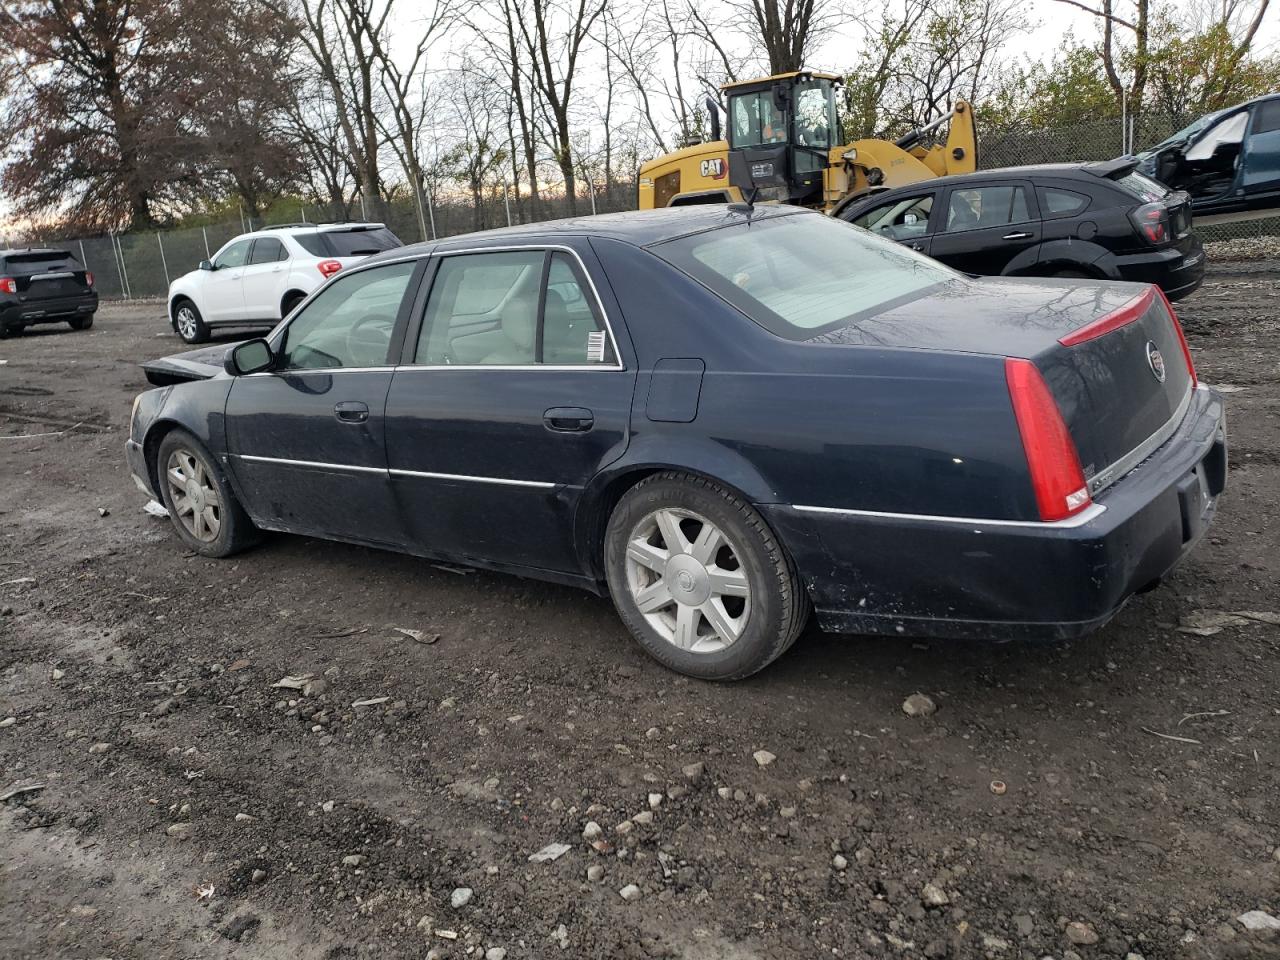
{"x":191,"y":809}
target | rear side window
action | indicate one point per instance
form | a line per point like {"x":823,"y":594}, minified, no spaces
{"x":801,"y":275}
{"x":1266,"y":116}
{"x":1056,"y":202}
{"x":313,"y":243}
{"x":978,"y":207}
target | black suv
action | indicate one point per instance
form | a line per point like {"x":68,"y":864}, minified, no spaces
{"x":1103,"y":220}
{"x":44,"y":286}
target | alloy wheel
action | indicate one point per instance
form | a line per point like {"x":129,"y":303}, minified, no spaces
{"x":686,"y":579}
{"x":194,"y":495}
{"x":187,"y":322}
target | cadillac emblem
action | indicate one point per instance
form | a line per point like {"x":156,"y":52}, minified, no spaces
{"x":1155,"y":360}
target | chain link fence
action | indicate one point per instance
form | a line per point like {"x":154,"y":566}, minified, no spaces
{"x":141,"y":264}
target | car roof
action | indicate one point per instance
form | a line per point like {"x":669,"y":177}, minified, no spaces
{"x":640,"y":228}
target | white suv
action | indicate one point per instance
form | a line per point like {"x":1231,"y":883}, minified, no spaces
{"x":258,"y":278}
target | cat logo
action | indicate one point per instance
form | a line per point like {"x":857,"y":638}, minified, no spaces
{"x":713,"y":169}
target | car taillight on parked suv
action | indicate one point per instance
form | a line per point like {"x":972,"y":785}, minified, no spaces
{"x":1060,"y":487}
{"x":328,"y":267}
{"x":1152,"y":222}
{"x":8,"y":285}
{"x":88,"y":278}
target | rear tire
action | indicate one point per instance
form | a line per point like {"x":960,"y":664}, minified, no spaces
{"x":81,"y":323}
{"x":725,"y":602}
{"x":188,"y":322}
{"x":202,"y":508}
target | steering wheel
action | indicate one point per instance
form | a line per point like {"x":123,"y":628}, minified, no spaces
{"x":370,"y":336}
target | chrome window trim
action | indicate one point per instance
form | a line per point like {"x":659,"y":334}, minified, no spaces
{"x":429,"y":475}
{"x":1110,"y":474}
{"x":304,"y":371}
{"x":512,"y":248}
{"x":1091,"y":512}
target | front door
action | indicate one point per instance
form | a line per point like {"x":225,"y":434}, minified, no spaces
{"x":985,"y":228}
{"x":306,"y":438}
{"x":223,"y":287}
{"x":512,"y":398}
{"x":1261,"y":171}
{"x":264,"y":279}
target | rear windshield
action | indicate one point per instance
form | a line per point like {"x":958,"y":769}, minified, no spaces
{"x":46,"y":261}
{"x":1141,"y":186}
{"x":800,"y":276}
{"x":358,"y":242}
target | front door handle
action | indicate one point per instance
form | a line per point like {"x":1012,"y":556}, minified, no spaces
{"x":1016,"y":236}
{"x":915,"y":246}
{"x":569,"y":419}
{"x":351,"y":411}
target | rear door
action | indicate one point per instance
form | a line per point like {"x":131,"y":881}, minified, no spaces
{"x":513,"y":396}
{"x":264,"y":274}
{"x":222,"y":290}
{"x":906,"y":219}
{"x":1261,"y":173}
{"x":306,"y":439}
{"x":983,"y":228}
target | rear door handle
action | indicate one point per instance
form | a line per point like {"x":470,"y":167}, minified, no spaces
{"x":569,"y":419}
{"x":1016,"y":236}
{"x":351,"y":411}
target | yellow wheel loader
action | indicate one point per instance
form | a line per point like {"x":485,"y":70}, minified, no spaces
{"x":782,"y":143}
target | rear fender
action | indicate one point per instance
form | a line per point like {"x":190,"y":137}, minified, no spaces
{"x":1073,"y":254}
{"x":654,"y":454}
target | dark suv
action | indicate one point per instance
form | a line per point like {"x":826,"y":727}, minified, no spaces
{"x":1103,"y":220}
{"x":44,"y":286}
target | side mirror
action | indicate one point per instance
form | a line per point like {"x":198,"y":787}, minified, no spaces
{"x":206,"y":265}
{"x":252,"y":356}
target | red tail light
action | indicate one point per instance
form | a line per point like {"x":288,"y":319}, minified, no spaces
{"x":8,"y":285}
{"x":1152,"y":221}
{"x":88,"y":278}
{"x":1182,"y":337}
{"x":1052,"y":461}
{"x":328,"y":267}
{"x":1117,"y":318}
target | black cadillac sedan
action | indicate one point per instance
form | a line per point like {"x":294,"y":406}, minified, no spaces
{"x":724,"y":418}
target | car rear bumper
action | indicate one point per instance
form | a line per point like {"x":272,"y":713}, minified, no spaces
{"x":52,"y":310}
{"x":928,"y":576}
{"x":1178,"y":272}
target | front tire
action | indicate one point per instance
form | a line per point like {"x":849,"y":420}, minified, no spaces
{"x":204,"y":511}
{"x":81,"y":323}
{"x":188,"y":322}
{"x":700,"y":580}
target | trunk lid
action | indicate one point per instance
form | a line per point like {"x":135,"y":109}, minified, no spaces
{"x":1106,"y":387}
{"x":202,"y":364}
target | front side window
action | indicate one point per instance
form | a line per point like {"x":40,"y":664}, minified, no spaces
{"x":512,"y":308}
{"x":234,"y":256}
{"x":349,"y":323}
{"x":804,"y":274}
{"x":903,"y":219}
{"x":979,"y":207}
{"x":266,"y":250}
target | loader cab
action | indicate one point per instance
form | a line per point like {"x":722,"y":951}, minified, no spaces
{"x":780,"y":132}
